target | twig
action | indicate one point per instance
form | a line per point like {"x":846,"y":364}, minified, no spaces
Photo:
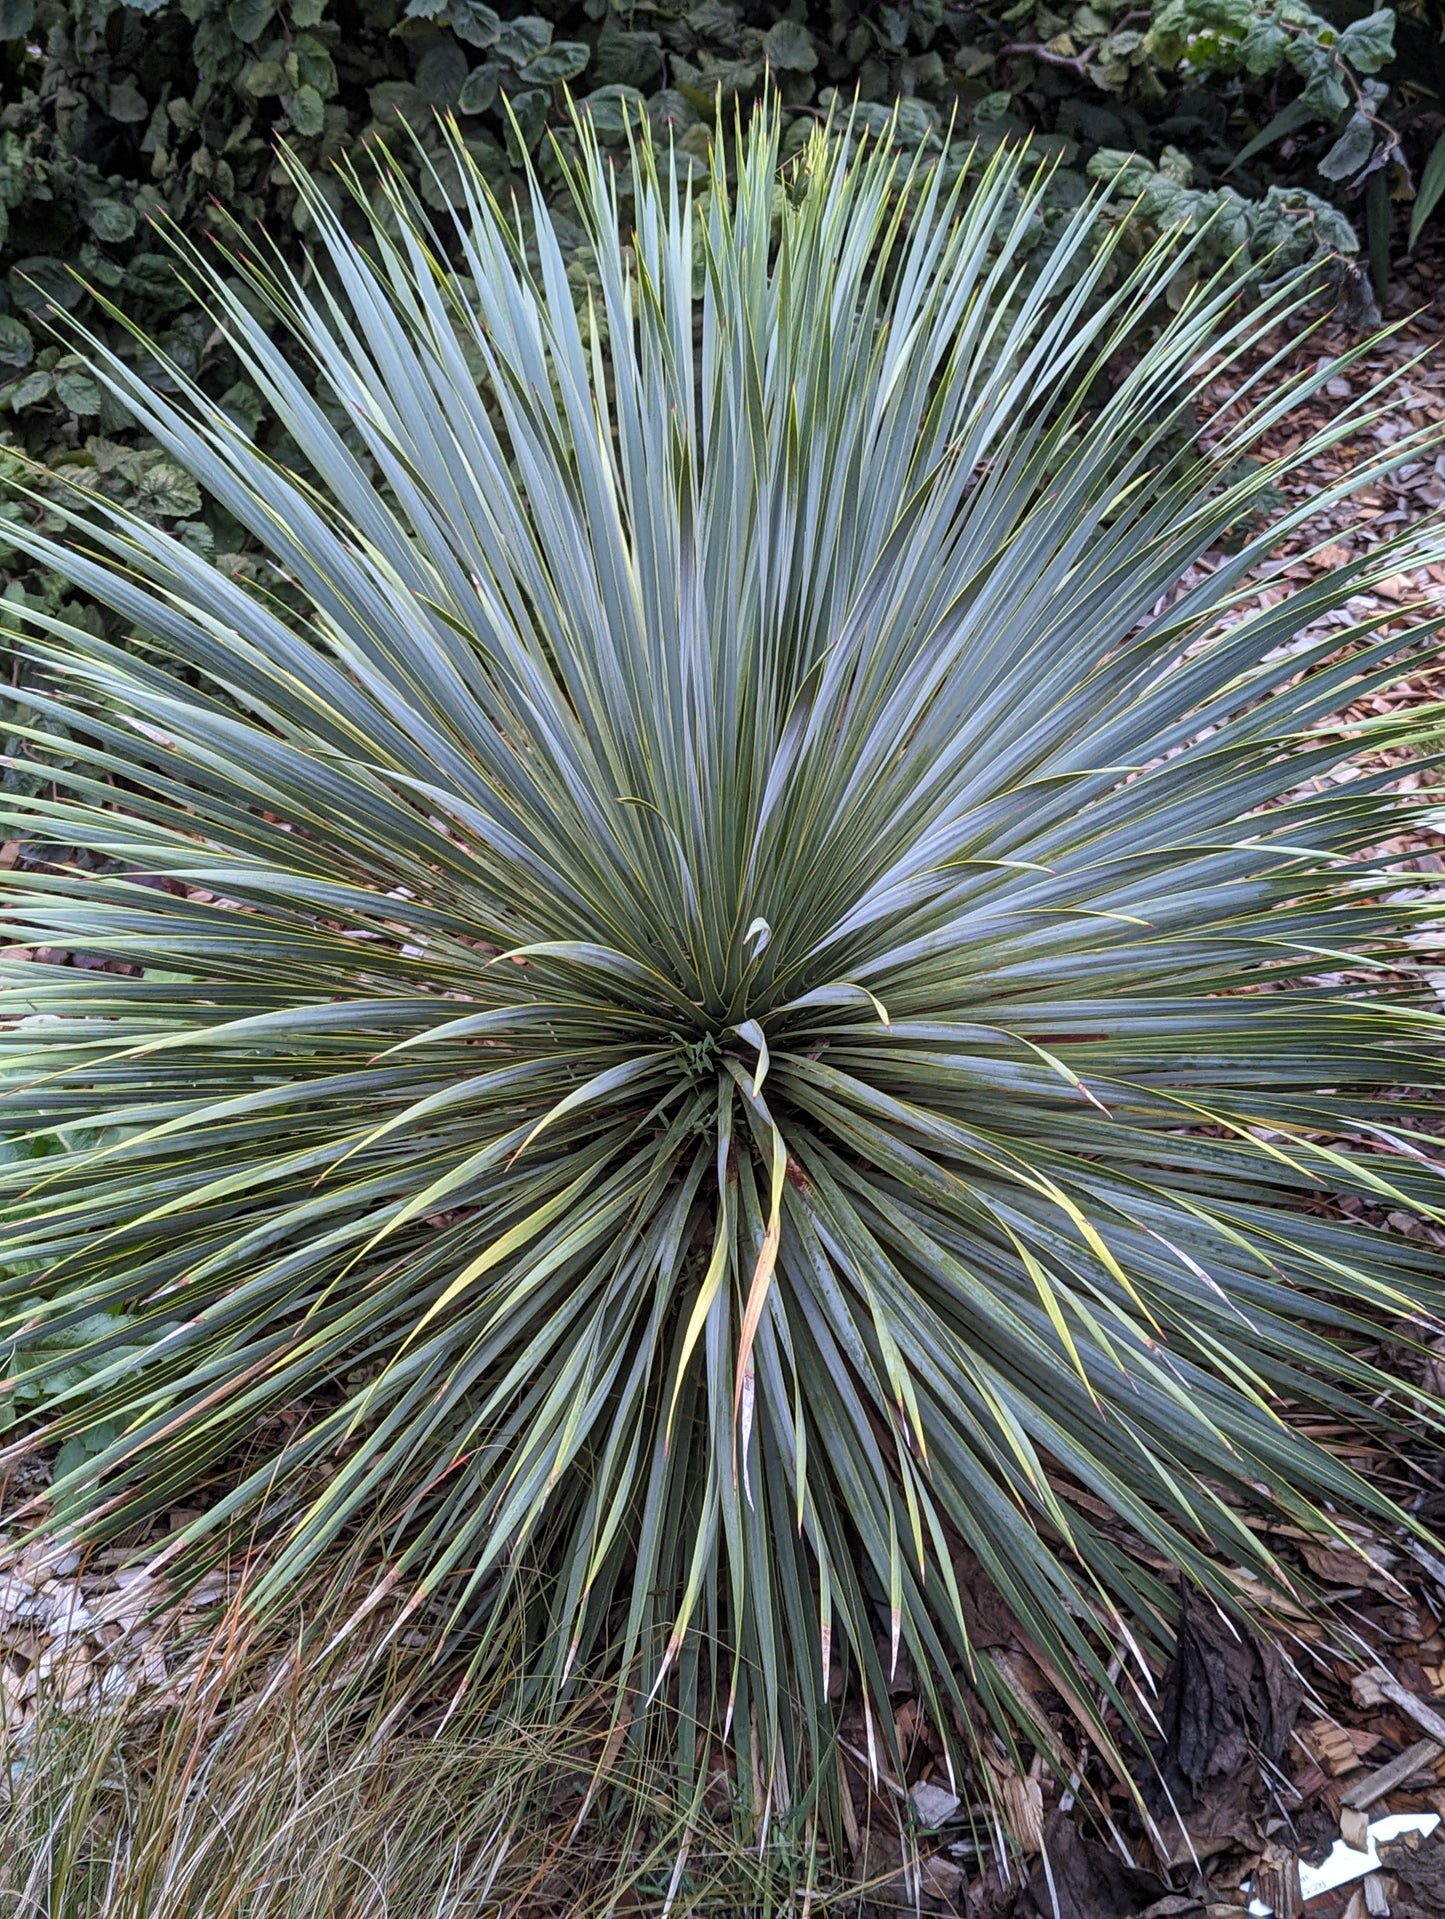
{"x":1033,"y":50}
{"x":1385,"y":1778}
{"x":1376,"y":1684}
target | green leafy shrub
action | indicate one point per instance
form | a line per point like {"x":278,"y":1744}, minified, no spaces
{"x":64,"y":1361}
{"x":741,"y":1009}
{"x":1365,"y":101}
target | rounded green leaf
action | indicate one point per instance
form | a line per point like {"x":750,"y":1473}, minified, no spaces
{"x":39,"y":281}
{"x":479,"y":90}
{"x":306,"y":110}
{"x":112,"y":220}
{"x":625,"y":56}
{"x":249,"y":19}
{"x":475,"y":22}
{"x":264,"y":78}
{"x":523,"y":38}
{"x":563,"y":60}
{"x":78,"y":391}
{"x":30,"y":391}
{"x":314,"y":65}
{"x":1369,"y":42}
{"x":397,"y":99}
{"x":441,"y":73}
{"x":126,"y":103}
{"x":17,"y":342}
{"x":789,"y":45}
{"x":613,"y":110}
{"x":166,"y":491}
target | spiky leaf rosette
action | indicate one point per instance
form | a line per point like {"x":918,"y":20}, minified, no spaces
{"x":747,"y":1012}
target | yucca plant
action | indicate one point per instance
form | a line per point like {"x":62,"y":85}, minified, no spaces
{"x":735,"y":999}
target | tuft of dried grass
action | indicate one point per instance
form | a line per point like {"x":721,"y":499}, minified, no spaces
{"x":293,"y":1772}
